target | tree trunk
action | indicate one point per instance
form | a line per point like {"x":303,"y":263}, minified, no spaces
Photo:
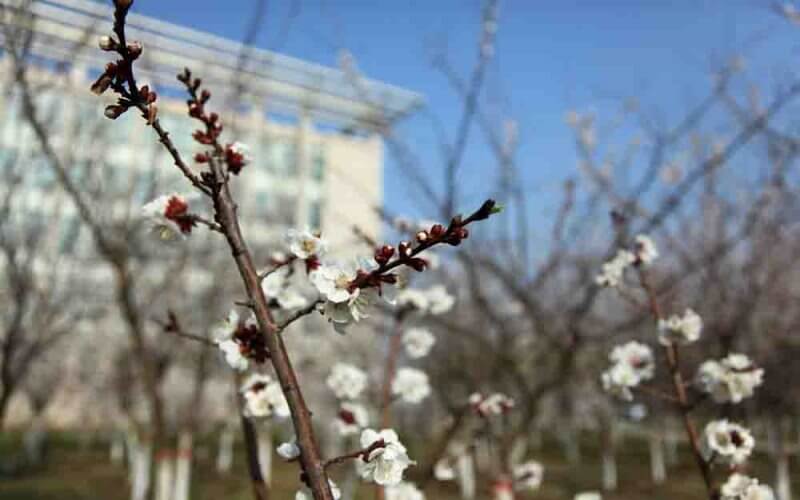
{"x":164,"y":475}
{"x":265,"y":445}
{"x":658,"y":470}
{"x":140,"y":470}
{"x":465,"y":467}
{"x":225,"y":455}
{"x":183,"y":467}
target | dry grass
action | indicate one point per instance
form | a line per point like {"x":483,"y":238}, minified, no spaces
{"x":81,"y":471}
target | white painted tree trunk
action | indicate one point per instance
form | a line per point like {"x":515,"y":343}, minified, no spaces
{"x":536,"y":440}
{"x":658,"y":469}
{"x":164,"y":477}
{"x":183,"y":467}
{"x":140,"y":470}
{"x":671,"y":438}
{"x":784,"y":481}
{"x":265,"y":445}
{"x":609,"y":464}
{"x":572,"y":446}
{"x":225,"y":454}
{"x":116,"y":450}
{"x":465,"y":471}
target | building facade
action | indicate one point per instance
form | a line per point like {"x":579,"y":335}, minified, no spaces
{"x":313,"y":131}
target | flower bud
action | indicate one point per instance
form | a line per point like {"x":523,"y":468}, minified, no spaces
{"x":152,"y":114}
{"x":123,"y":4}
{"x":437,"y":230}
{"x":115,"y":111}
{"x":101,"y":84}
{"x":404,"y":248}
{"x":422,"y":236}
{"x":135,"y":49}
{"x":107,"y":43}
{"x":417,"y":264}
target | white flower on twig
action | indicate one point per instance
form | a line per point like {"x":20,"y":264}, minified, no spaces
{"x":418,"y":342}
{"x":411,"y":385}
{"x":305,"y":244}
{"x":346,"y":381}
{"x":730,"y":380}
{"x":729,"y":441}
{"x":263,"y":397}
{"x":680,"y":330}
{"x":384,"y":465}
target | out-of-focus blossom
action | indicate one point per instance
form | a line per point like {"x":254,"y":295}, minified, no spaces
{"x":680,"y":330}
{"x":346,"y":381}
{"x":411,"y":385}
{"x":418,"y":342}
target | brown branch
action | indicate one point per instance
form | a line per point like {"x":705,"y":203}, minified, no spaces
{"x":305,"y":311}
{"x":682,"y":404}
{"x":363,"y":454}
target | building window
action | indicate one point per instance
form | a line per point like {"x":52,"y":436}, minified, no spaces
{"x":262,"y":202}
{"x":315,"y":215}
{"x":283,"y":157}
{"x":318,"y":163}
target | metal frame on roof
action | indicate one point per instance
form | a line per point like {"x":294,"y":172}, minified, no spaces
{"x":285,"y":83}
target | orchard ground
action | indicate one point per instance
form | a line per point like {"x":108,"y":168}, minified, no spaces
{"x":77,"y":467}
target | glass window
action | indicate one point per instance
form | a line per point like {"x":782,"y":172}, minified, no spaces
{"x":262,"y":202}
{"x":315,"y":215}
{"x":318,"y":163}
{"x":283,"y":157}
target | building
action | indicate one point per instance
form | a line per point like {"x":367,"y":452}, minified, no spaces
{"x":313,"y":130}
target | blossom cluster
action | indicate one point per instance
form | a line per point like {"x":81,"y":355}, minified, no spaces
{"x":632,"y":363}
{"x":385,"y":464}
{"x":263,"y":397}
{"x":348,"y":383}
{"x":493,"y":404}
{"x":240,"y":341}
{"x":741,"y":487}
{"x":643,"y":253}
{"x":730,"y":380}
{"x":680,"y":329}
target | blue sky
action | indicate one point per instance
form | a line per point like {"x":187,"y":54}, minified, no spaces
{"x":551,"y":57}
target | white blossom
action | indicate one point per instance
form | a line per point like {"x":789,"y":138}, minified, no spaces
{"x":730,"y":380}
{"x":233,"y":355}
{"x":344,"y":314}
{"x":305,"y":493}
{"x":276,"y":286}
{"x":619,"y":380}
{"x":612,"y":271}
{"x":166,"y":217}
{"x":741,"y":487}
{"x":352,"y":418}
{"x":413,"y":298}
{"x":638,"y":356}
{"x":225,"y":329}
{"x":411,"y":385}
{"x":528,"y":475}
{"x":435,"y":300}
{"x":494,"y":404}
{"x":305,"y":244}
{"x":333,"y":283}
{"x":680,"y":330}
{"x":385,"y":465}
{"x":645,"y":249}
{"x":418,"y":342}
{"x":346,"y":381}
{"x":288,"y":450}
{"x":404,"y":491}
{"x":439,"y":300}
{"x":444,"y":470}
{"x":263,"y":397}
{"x":729,"y":441}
